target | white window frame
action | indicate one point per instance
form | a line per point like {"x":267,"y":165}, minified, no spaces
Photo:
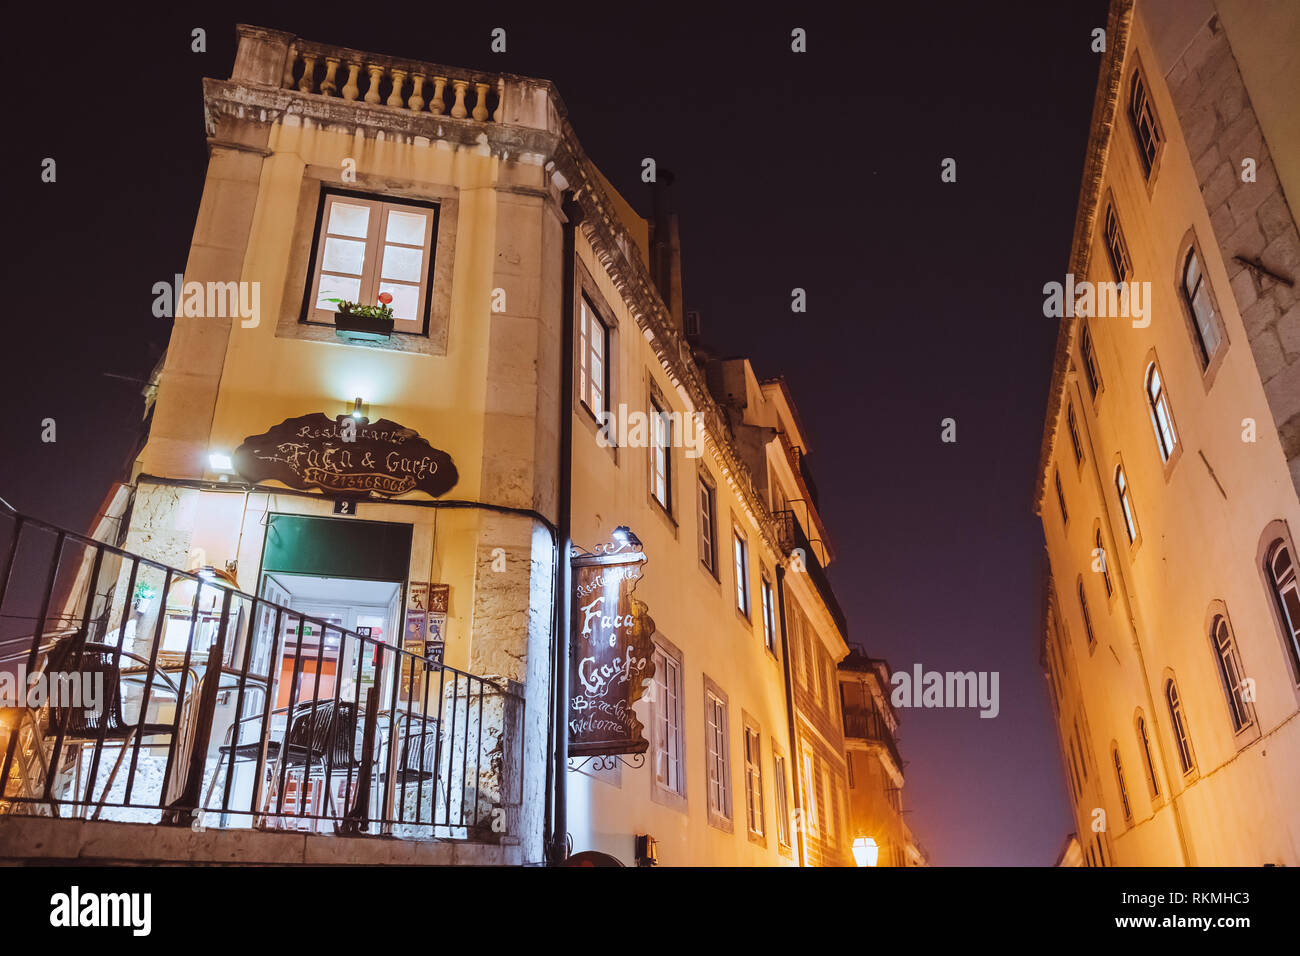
{"x":808,"y":767}
{"x":1125,"y":492}
{"x":661,"y":458}
{"x":1162,"y":415}
{"x":371,"y":279}
{"x":755,"y":820}
{"x":717,"y":755}
{"x":740,"y":566}
{"x":668,"y":741}
{"x":780,"y":780}
{"x":593,"y":354}
{"x":706,"y":498}
{"x":769,"y":614}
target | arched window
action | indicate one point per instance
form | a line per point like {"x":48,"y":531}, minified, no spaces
{"x":1178,"y":721}
{"x":1196,"y":291}
{"x":1087,"y":618}
{"x":1281,"y":570}
{"x":1099,"y":555}
{"x":1225,"y":650}
{"x":1126,"y":503}
{"x":1162,"y":419}
{"x":1149,"y":764}
{"x":1119,"y":780}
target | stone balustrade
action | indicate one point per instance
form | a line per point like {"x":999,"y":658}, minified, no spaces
{"x":406,"y":85}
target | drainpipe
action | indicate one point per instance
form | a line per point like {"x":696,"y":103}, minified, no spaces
{"x":795,"y":757}
{"x":564,"y":523}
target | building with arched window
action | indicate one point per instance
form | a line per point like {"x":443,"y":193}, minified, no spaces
{"x":1172,"y":611}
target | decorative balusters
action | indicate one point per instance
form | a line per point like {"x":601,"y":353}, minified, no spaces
{"x":306,"y":83}
{"x":397,"y":98}
{"x":350,"y":89}
{"x":376,"y":77}
{"x":328,"y":86}
{"x":436,"y":105}
{"x":458,"y":108}
{"x":480,"y":102}
{"x":399,"y":81}
{"x":416,"y":102}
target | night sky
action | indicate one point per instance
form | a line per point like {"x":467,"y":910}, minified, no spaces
{"x":816,"y":170}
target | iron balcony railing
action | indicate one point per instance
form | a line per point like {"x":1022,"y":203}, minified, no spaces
{"x":868,"y":725}
{"x":150,"y":694}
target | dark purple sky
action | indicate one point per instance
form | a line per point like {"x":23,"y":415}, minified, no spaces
{"x":818,"y":171}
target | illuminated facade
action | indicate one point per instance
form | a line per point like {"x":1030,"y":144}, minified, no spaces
{"x":1168,"y":481}
{"x":464,"y":202}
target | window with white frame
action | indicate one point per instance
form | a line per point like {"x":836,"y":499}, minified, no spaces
{"x":661,"y":440}
{"x":1146,"y":129}
{"x":1091,"y":370}
{"x":1148,"y":761}
{"x":809,"y":792}
{"x":769,"y":616}
{"x":1283,"y":583}
{"x":1099,"y":555}
{"x":708,"y":525}
{"x":740,"y":562}
{"x":1073,"y":425}
{"x":1126,"y":503}
{"x":669,"y":736}
{"x":754,"y":781}
{"x":1178,"y":722}
{"x":780,"y":780}
{"x":593,"y":362}
{"x":1116,"y":247}
{"x":368,"y":247}
{"x":1230,"y":671}
{"x":1119,"y":782}
{"x":1087,"y":617}
{"x":1199,"y":301}
{"x":1162,"y":419}
{"x":717,"y":754}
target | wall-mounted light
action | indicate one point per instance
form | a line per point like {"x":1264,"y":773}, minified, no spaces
{"x":220,"y":462}
{"x":865,"y":851}
{"x":647,"y":850}
{"x":356,"y":409}
{"x":623,"y":535}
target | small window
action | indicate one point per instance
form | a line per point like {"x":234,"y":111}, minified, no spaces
{"x":661,"y":440}
{"x":717,"y":752}
{"x":1281,"y":570}
{"x":740,"y":560}
{"x":1091,"y":370}
{"x":1060,"y":499}
{"x":669,"y":746}
{"x":809,"y":793}
{"x":1126,"y":504}
{"x":593,"y":366}
{"x":366,"y":248}
{"x":769,"y":616}
{"x":1230,"y":671}
{"x":1116,"y":247}
{"x":1148,"y":763}
{"x":1119,"y":782}
{"x":848,"y":765}
{"x":1199,"y":302}
{"x":708,"y":542}
{"x":1100,"y":556}
{"x":754,"y":781}
{"x":1162,"y":419}
{"x":1073,"y":427}
{"x":780,"y":779}
{"x":1087,"y":618}
{"x":1178,"y":721}
{"x":1145,"y":127}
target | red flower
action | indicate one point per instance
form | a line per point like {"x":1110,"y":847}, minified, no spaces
{"x":385,"y":298}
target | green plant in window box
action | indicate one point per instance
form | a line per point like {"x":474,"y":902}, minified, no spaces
{"x":367,"y":323}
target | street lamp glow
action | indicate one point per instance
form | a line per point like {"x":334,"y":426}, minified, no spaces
{"x":865,"y":851}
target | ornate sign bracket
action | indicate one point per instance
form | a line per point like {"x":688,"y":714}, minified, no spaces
{"x":607,"y":761}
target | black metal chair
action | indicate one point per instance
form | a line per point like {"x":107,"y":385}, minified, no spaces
{"x":82,"y":724}
{"x":324,"y":741}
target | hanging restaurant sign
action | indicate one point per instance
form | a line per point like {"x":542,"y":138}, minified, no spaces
{"x":346,"y":456}
{"x":611,"y":653}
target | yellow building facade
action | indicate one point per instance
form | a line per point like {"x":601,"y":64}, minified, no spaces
{"x":1171,"y":456}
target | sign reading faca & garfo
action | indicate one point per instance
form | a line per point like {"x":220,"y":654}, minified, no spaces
{"x":611,"y":653}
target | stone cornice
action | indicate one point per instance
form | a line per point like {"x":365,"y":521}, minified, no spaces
{"x":1104,"y":108}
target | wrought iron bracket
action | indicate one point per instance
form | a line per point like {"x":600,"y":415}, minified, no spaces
{"x":608,"y":761}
